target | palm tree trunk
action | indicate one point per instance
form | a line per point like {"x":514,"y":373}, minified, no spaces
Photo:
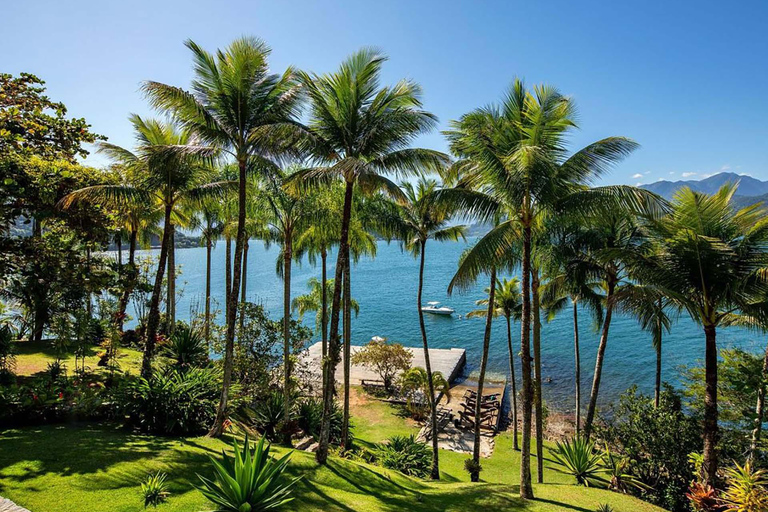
{"x":244,"y":287}
{"x":171,"y":298}
{"x":227,"y":277}
{"x":475,"y":474}
{"x":333,"y":343}
{"x":435,"y":472}
{"x":119,"y":243}
{"x":515,"y":443}
{"x":347,"y":354}
{"x":207,"y":325}
{"x":153,"y":319}
{"x":229,"y":346}
{"x":709,"y":466}
{"x":526,"y":487}
{"x":760,"y":408}
{"x":657,"y":390}
{"x":122,"y":303}
{"x":537,"y":370}
{"x":577,"y":364}
{"x":287,"y":257}
{"x":324,"y":305}
{"x":599,"y":360}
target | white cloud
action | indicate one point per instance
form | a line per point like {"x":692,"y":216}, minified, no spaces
{"x":647,"y":172}
{"x":725,"y":168}
{"x":671,"y":173}
{"x":744,"y":174}
{"x":637,"y":176}
{"x":638,"y":183}
{"x":687,"y":174}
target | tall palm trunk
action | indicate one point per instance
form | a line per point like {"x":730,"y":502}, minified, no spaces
{"x":475,"y":474}
{"x":435,"y":472}
{"x":119,"y":243}
{"x":658,"y":335}
{"x":759,"y":408}
{"x":324,"y":305}
{"x":526,"y":487}
{"x":577,"y":363}
{"x":347,"y":354}
{"x":332,"y":360}
{"x":515,"y":443}
{"x":244,"y":285}
{"x":600,"y":359}
{"x":229,"y":347}
{"x":227,"y":277}
{"x":709,"y":466}
{"x":537,"y":370}
{"x":287,"y":258}
{"x":122,"y":303}
{"x":207,"y":325}
{"x":171,"y":297}
{"x":153,"y":318}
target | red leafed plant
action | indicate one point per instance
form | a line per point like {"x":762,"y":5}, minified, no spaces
{"x":703,"y":498}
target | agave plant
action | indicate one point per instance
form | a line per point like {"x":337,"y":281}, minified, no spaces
{"x":578,"y":458}
{"x":155,"y":489}
{"x":747,"y":489}
{"x":248,"y":482}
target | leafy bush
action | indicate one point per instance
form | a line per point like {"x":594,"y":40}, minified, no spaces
{"x":657,"y":441}
{"x":186,"y":348}
{"x":472,"y":467}
{"x":7,"y":354}
{"x":383,"y":358}
{"x":405,"y":454}
{"x":249,"y":481}
{"x":154,"y":489}
{"x":309,"y":415}
{"x":578,"y":458}
{"x":703,"y":498}
{"x":175,"y":403}
{"x":604,"y":507}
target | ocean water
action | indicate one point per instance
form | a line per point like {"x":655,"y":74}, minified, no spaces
{"x":386,"y":289}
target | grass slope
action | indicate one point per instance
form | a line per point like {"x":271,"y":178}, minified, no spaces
{"x":33,"y":357}
{"x":93,"y":468}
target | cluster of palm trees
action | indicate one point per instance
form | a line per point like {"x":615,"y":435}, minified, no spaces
{"x":307,"y":162}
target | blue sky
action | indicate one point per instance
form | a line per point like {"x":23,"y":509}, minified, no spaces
{"x":687,"y":80}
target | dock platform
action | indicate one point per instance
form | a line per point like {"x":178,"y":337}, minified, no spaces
{"x":450,"y":362}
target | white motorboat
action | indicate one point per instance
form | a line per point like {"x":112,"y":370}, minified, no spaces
{"x":436,"y":309}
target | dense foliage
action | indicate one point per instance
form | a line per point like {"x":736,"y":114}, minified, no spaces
{"x":404,"y":454}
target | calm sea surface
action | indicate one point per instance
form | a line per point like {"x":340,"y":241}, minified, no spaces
{"x":386,"y":286}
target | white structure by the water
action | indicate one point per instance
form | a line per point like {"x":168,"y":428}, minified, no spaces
{"x":450,"y":362}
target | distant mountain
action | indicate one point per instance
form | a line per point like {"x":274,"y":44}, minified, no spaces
{"x":749,"y":187}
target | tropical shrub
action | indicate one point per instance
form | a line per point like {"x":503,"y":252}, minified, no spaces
{"x":172,"y":402}
{"x":617,"y":469}
{"x":7,"y":354}
{"x":309,"y":415}
{"x":154,"y":489}
{"x":404,"y":454}
{"x":415,"y":386}
{"x":746,"y":490}
{"x":578,"y":458}
{"x":385,"y":359}
{"x":249,"y":481}
{"x":703,"y":498}
{"x":472,"y":467}
{"x":604,"y":507}
{"x":186,"y":348}
{"x":657,"y":441}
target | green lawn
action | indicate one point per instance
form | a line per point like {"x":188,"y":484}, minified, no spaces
{"x":34,"y":357}
{"x":84,"y":468}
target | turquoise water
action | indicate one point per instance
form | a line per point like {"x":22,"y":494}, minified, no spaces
{"x":385,"y":287}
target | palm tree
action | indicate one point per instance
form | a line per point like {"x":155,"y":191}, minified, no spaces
{"x":711,"y":261}
{"x":239,"y":108}
{"x":414,"y":221}
{"x":361,"y":131}
{"x":606,"y":239}
{"x":509,"y":306}
{"x":567,"y":282}
{"x":652,"y":310}
{"x":313,"y":301}
{"x":166,"y":181}
{"x":286,"y":216}
{"x":514,"y":162}
{"x":208,"y":220}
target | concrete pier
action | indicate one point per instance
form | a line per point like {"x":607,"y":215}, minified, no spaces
{"x":450,"y":362}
